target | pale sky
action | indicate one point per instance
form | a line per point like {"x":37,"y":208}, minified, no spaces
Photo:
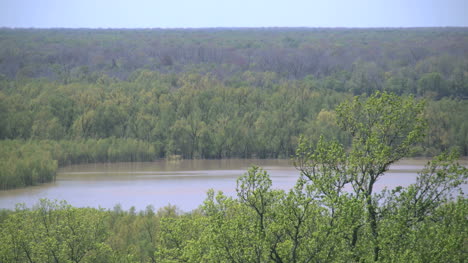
{"x":232,"y":13}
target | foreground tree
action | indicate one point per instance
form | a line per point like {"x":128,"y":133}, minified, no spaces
{"x":383,"y":129}
{"x":53,"y":232}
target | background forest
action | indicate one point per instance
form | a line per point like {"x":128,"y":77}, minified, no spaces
{"x":79,"y":95}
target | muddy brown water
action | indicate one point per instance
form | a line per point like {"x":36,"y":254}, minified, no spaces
{"x":182,"y":183}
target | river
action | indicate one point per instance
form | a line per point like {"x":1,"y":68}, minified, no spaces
{"x":182,"y":183}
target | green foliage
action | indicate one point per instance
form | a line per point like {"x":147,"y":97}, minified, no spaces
{"x":423,"y":222}
{"x":53,"y":232}
{"x":26,"y":163}
{"x":200,"y":117}
{"x":427,"y":61}
{"x":212,"y":120}
{"x":384,"y":128}
{"x":240,"y":93}
{"x":261,"y":225}
{"x":220,"y":94}
{"x":446,"y":127}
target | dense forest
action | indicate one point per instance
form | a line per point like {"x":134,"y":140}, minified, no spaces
{"x":318,"y":220}
{"x":344,"y":104}
{"x":79,"y":95}
{"x":357,"y":60}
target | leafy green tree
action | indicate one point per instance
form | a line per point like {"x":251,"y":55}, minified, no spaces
{"x":414,"y":215}
{"x":53,"y":232}
{"x":384,"y":128}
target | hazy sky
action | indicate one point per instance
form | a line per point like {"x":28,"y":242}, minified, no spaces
{"x":232,"y":13}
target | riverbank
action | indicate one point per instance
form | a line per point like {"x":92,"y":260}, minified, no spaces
{"x":182,"y":183}
{"x":27,"y":163}
{"x":32,"y":162}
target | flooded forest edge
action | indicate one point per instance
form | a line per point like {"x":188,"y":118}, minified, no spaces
{"x":344,"y":104}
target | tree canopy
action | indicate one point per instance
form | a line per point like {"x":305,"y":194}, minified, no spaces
{"x":332,"y":214}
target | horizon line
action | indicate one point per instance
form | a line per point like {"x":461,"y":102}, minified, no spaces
{"x":236,"y":27}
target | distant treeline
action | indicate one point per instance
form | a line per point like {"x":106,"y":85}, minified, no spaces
{"x":417,"y":61}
